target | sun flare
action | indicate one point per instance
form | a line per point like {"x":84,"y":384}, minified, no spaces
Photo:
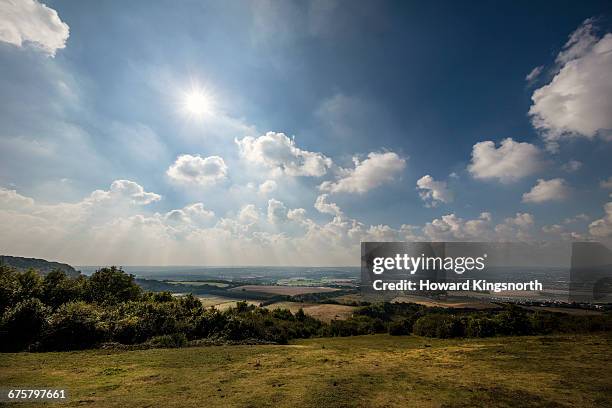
{"x":198,"y":103}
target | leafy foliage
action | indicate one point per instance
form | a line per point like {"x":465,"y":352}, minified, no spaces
{"x":58,"y":312}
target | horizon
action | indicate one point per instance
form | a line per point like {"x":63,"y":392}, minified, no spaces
{"x":288,"y":133}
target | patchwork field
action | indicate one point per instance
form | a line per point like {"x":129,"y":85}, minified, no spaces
{"x":222,"y":302}
{"x":364,"y":371}
{"x":282,"y":290}
{"x":324,"y":312}
{"x":200,"y":283}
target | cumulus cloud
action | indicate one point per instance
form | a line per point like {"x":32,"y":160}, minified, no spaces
{"x":577,"y":218}
{"x":194,"y":213}
{"x":127,"y":189}
{"x":197,"y":170}
{"x":277,"y":211}
{"x":518,"y":227}
{"x":325,"y":207}
{"x":547,"y":190}
{"x":572,"y":166}
{"x":11,"y":199}
{"x":452,"y":227}
{"x":578,"y":100}
{"x":606,"y":184}
{"x":30,"y":22}
{"x":278,"y":152}
{"x":267,"y":187}
{"x":602,"y":227}
{"x":509,"y":162}
{"x":377,"y":169}
{"x":434,"y":192}
{"x":248,"y":214}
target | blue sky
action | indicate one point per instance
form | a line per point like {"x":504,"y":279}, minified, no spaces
{"x":287,"y":132}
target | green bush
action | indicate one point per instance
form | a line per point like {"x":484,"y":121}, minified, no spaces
{"x":23,"y":324}
{"x":73,"y":326}
{"x":439,"y":325}
{"x":169,"y":340}
{"x":477,"y":326}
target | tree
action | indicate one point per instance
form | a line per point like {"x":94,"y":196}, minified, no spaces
{"x":58,"y":288}
{"x":112,"y":285}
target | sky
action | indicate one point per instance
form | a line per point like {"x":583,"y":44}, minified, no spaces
{"x":286,"y":133}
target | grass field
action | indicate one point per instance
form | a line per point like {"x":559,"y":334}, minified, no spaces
{"x":364,"y":371}
{"x":222,"y":302}
{"x":321,"y":311}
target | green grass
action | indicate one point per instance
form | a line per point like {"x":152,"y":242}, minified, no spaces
{"x":367,"y":371}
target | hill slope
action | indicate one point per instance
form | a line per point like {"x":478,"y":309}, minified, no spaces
{"x":40,"y":265}
{"x":363,"y":371}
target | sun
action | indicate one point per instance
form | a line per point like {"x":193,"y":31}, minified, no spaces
{"x":197,"y":103}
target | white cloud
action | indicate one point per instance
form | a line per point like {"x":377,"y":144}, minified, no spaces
{"x":518,"y":227}
{"x":606,"y":184}
{"x":547,"y":190}
{"x":28,"y":21}
{"x":450,"y":227}
{"x":278,"y":152}
{"x":325,"y":207}
{"x":11,"y":199}
{"x":508,"y":163}
{"x":434,"y":191}
{"x":602,"y":227}
{"x":130,"y":190}
{"x":267,"y":187}
{"x":578,"y":100}
{"x":277,"y":211}
{"x":534,"y":74}
{"x":577,"y":218}
{"x":248,"y":214}
{"x":554,"y":229}
{"x":197,"y":170}
{"x":572,"y":166}
{"x":377,"y":169}
{"x":193,"y":214}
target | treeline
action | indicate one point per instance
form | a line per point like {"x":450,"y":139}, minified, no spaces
{"x":508,"y":320}
{"x":56,"y":312}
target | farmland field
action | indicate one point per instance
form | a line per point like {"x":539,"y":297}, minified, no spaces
{"x":282,"y":290}
{"x":321,"y":311}
{"x":200,"y":283}
{"x":222,"y":302}
{"x":363,"y":371}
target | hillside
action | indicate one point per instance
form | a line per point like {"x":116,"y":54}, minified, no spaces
{"x":368,"y":371}
{"x":41,"y":265}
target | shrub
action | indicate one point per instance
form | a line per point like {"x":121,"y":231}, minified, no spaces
{"x":477,"y":326}
{"x":74,"y":326}
{"x":401,"y":327}
{"x":169,"y":340}
{"x":439,"y":325}
{"x":23,"y":324}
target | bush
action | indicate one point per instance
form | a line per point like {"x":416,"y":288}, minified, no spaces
{"x":169,"y":340}
{"x":74,"y":326}
{"x":513,"y":322}
{"x":401,"y":327}
{"x":480,"y":327}
{"x":23,"y":324}
{"x":439,"y":325}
